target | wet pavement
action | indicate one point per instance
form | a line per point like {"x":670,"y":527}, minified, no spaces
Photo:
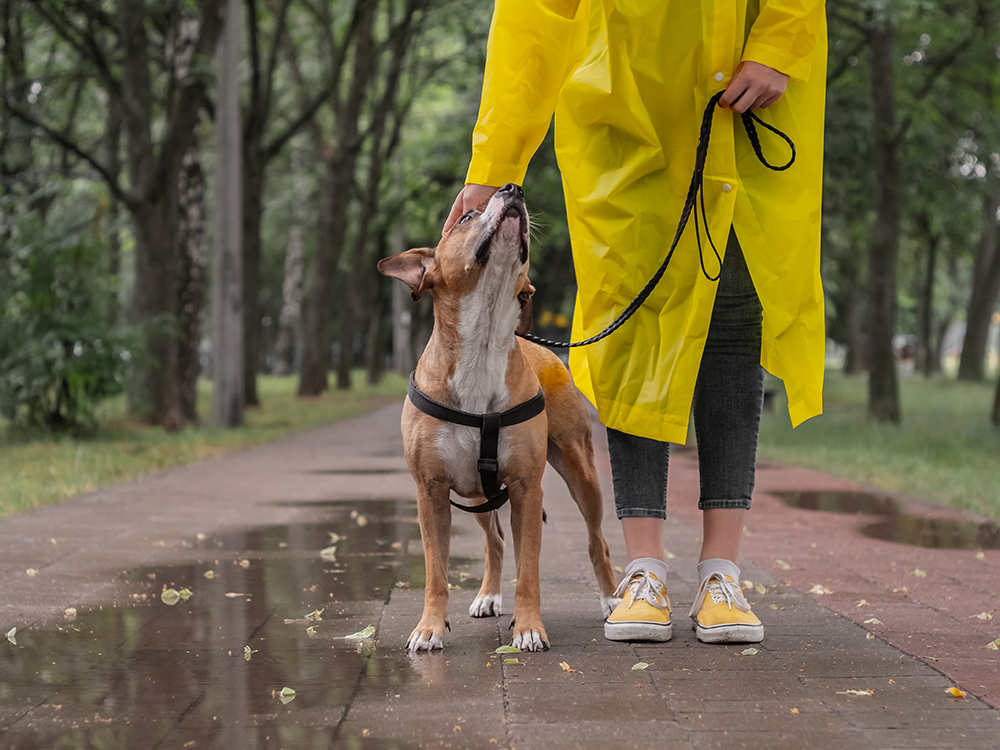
{"x":288,"y":548}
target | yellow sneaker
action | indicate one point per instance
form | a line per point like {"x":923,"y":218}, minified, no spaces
{"x":644,"y":611}
{"x":716,"y":620}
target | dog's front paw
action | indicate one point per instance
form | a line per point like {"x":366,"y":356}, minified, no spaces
{"x":530,"y":638}
{"x":608,"y":604}
{"x":486,"y":606}
{"x":426,"y":637}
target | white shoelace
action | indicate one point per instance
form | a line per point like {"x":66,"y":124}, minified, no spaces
{"x":644,"y":586}
{"x":721,"y":590}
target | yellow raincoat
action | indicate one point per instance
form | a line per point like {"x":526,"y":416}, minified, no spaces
{"x":628,"y":81}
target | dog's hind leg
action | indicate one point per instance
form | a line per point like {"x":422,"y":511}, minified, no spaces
{"x":574,"y":461}
{"x":434,"y":515}
{"x":488,"y":601}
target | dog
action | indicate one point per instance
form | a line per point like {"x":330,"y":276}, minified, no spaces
{"x":474,"y":362}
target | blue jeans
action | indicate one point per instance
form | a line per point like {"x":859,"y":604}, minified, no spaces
{"x":728,"y":397}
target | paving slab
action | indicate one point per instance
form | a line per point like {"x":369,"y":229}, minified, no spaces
{"x":288,"y":548}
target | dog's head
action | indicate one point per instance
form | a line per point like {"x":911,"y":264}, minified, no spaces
{"x":486,"y":252}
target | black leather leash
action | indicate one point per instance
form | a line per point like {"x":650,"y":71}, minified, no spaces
{"x":696,"y":187}
{"x":489,"y":437}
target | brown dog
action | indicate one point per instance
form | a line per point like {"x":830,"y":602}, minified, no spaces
{"x":474,"y":362}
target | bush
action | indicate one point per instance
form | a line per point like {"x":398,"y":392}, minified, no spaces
{"x":60,"y":354}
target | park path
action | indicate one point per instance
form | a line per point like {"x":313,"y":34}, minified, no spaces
{"x":101,"y":661}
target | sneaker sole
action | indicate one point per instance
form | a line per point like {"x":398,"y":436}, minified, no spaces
{"x":729,"y":633}
{"x":638,"y":631}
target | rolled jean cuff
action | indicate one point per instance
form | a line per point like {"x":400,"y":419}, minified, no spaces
{"x":640,"y":513}
{"x":704,"y":504}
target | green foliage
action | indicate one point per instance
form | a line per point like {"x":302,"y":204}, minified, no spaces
{"x":59,"y":355}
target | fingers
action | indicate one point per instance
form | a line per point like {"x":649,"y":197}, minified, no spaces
{"x":754,"y":85}
{"x":454,"y":215}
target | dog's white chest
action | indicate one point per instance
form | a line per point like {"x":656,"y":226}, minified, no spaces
{"x":458,"y":447}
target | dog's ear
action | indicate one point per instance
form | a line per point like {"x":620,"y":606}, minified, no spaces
{"x":524,"y":319}
{"x":411,"y":268}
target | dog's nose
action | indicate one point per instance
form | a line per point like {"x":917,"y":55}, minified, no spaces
{"x":510,"y":187}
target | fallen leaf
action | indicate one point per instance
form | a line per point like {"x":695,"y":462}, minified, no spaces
{"x":920,"y":573}
{"x":639,"y":665}
{"x":361,"y":635}
{"x":315,"y":615}
{"x":994,"y":645}
{"x":980,"y":555}
{"x":32,"y":572}
{"x":861,"y":603}
{"x":749,"y":651}
{"x":361,"y":521}
{"x":748,"y":584}
{"x":335,"y":537}
{"x":10,"y":635}
{"x":873,"y":621}
{"x":983,"y":616}
{"x":244,"y":564}
{"x":795,"y":710}
{"x":507,"y":650}
{"x":855,"y":692}
{"x":774,"y":606}
{"x":170,"y":597}
{"x":760,"y":588}
{"x":235,"y":594}
{"x":311,"y":630}
{"x":619,"y":569}
{"x":566,"y":667}
{"x":210,"y":574}
{"x":870,"y":636}
{"x":247,"y":653}
{"x":513,"y":661}
{"x":819,"y":588}
{"x":287,"y":695}
{"x":668,"y":554}
{"x":70,"y":613}
{"x":782,"y":565}
{"x":329,"y":553}
{"x":185,"y":594}
{"x":960,"y":694}
{"x":396,"y":545}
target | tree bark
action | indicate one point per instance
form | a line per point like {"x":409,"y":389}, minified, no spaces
{"x":291,"y":289}
{"x":985,"y":288}
{"x":883,"y":250}
{"x":227,"y":275}
{"x":854,"y":360}
{"x":925,"y":299}
{"x":995,"y":415}
{"x":337,"y":188}
{"x":191,"y":280}
{"x":253,"y":196}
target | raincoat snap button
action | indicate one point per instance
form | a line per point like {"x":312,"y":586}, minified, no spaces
{"x":726,"y":187}
{"x":719,"y":76}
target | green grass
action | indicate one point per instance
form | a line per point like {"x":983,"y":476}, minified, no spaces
{"x":37,"y":468}
{"x":945,"y":450}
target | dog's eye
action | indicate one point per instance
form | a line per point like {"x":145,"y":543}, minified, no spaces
{"x":467,"y":216}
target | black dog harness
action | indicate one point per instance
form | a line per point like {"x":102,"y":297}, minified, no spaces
{"x":489,"y":437}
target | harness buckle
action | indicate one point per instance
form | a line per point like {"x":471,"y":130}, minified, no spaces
{"x":489,"y":466}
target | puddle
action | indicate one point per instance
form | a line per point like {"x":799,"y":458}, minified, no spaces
{"x":897,"y":526}
{"x":152,"y":675}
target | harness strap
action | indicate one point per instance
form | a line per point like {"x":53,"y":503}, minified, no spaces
{"x":489,"y":437}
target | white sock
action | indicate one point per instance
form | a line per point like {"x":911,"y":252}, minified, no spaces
{"x":720,"y":566}
{"x":652,"y":564}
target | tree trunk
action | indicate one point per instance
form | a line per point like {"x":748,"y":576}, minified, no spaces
{"x":883,"y":250}
{"x":995,"y":415}
{"x":376,"y":341}
{"x":985,"y":288}
{"x":403,"y":360}
{"x":253,"y":187}
{"x":113,"y":138}
{"x":291,"y":289}
{"x":190,"y":280}
{"x":925,"y":298}
{"x":854,"y":360}
{"x":338,"y":182}
{"x":227,"y":274}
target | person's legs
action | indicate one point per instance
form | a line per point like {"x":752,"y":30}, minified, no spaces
{"x":727,"y":403}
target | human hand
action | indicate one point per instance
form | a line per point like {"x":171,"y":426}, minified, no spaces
{"x":754,"y":85}
{"x":472,"y":196}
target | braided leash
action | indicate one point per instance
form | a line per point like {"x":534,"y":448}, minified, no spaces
{"x":696,"y":187}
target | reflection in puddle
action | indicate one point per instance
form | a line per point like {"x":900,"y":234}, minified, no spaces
{"x":152,"y":675}
{"x":897,"y":526}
